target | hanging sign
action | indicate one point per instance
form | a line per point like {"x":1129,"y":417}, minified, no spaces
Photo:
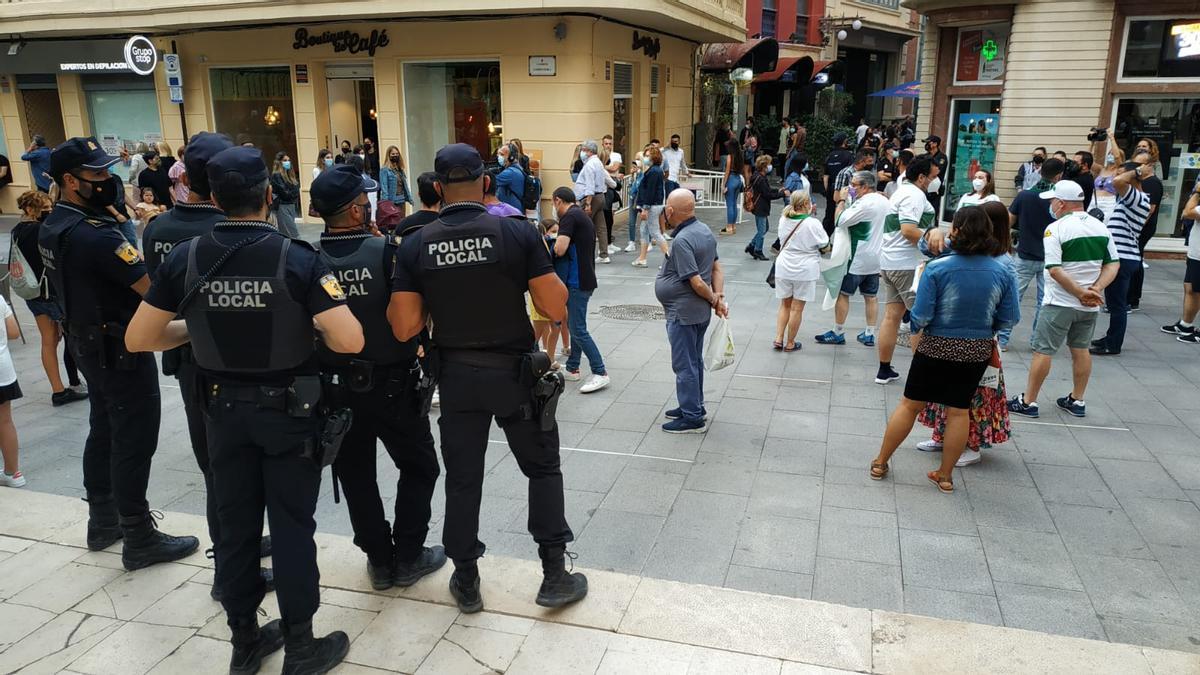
{"x":140,"y":55}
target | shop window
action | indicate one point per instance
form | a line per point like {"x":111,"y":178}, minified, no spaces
{"x":622,"y":106}
{"x":769,"y":17}
{"x":1173,"y":124}
{"x":123,"y":111}
{"x":254,"y":105}
{"x":974,"y":130}
{"x":802,"y":16}
{"x":451,"y":103}
{"x":1162,"y":48}
{"x":982,"y":52}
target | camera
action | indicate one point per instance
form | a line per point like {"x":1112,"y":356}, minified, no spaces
{"x":1098,"y":134}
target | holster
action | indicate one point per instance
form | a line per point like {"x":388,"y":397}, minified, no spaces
{"x":546,"y":385}
{"x":107,"y":342}
{"x":329,"y":443}
{"x":174,"y":359}
{"x":426,"y":384}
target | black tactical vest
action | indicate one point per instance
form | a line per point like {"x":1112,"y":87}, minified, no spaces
{"x":179,"y":224}
{"x":367,"y":283}
{"x":244,"y":319}
{"x":81,"y":305}
{"x":475,"y":302}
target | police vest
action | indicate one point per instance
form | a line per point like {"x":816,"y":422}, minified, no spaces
{"x":54,"y":242}
{"x":179,"y":224}
{"x":244,"y":318}
{"x":367,"y":283}
{"x":473,"y":300}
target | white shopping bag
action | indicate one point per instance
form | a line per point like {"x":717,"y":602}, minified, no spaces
{"x":718,"y":346}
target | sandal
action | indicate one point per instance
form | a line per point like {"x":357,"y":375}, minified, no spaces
{"x":777,"y":345}
{"x":726,"y":231}
{"x":795,"y":347}
{"x":879,"y":470}
{"x":944,"y":484}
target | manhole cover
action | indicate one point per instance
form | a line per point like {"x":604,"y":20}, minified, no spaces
{"x":633,"y":312}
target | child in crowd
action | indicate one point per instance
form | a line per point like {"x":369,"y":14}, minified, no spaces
{"x":546,"y":331}
{"x":147,"y":208}
{"x":9,"y":392}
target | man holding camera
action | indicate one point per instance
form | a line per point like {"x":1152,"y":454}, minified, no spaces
{"x":1125,"y":225}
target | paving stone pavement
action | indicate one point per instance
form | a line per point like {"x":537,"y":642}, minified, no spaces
{"x":1080,"y":527}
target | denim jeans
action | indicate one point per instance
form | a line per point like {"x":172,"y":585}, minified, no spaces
{"x":129,"y":231}
{"x":760,"y":225}
{"x":633,"y":221}
{"x":1027,"y":271}
{"x":687,"y":360}
{"x":1116,"y":298}
{"x":581,"y":341}
{"x":733,"y":189}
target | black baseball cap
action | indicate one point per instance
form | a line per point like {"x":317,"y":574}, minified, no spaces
{"x":79,"y":153}
{"x":457,"y":163}
{"x":838,"y":139}
{"x":933,"y":139}
{"x":197,"y":153}
{"x":235,"y":167}
{"x":337,"y":186}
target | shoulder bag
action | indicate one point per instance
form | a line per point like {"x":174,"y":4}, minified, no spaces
{"x":771,"y":274}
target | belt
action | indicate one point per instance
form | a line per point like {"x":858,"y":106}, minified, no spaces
{"x":482,"y":359}
{"x":247,"y":393}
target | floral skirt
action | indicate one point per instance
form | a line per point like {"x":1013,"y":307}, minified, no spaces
{"x":988,"y":425}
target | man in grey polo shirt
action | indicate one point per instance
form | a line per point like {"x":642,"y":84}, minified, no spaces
{"x":690,"y":287}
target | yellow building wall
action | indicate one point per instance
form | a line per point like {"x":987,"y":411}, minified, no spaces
{"x":16,"y":141}
{"x":76,"y":121}
{"x":928,"y":75}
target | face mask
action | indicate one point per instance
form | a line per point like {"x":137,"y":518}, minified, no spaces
{"x":1109,"y":159}
{"x":770,"y":169}
{"x":646,"y":162}
{"x":328,"y":161}
{"x":852,"y":192}
{"x":345,"y":150}
{"x":934,"y":185}
{"x":101,"y":193}
{"x":363,"y":156}
{"x":395,"y":158}
{"x":287,"y":166}
{"x":674,"y":146}
{"x":1053,"y":215}
{"x":978,"y":184}
{"x":43,"y":216}
{"x":500,"y":159}
{"x":583,"y":156}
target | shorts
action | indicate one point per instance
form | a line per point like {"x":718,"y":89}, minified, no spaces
{"x":897,"y":287}
{"x":1191,"y":274}
{"x":805,"y":291}
{"x":1057,"y":324}
{"x":10,"y":392}
{"x":534,"y":315}
{"x":48,"y":308}
{"x":866,"y":284}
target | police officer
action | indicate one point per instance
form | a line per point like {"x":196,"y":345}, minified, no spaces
{"x":249,"y":298}
{"x":99,"y":278}
{"x":188,"y":219}
{"x":933,"y":150}
{"x":380,"y":386}
{"x":469,"y":271}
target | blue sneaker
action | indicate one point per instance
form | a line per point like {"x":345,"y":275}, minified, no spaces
{"x":685,"y":426}
{"x":831,"y":338}
{"x":1020,"y":407}
{"x":1072,"y":405}
{"x":866,"y":340}
{"x":677,"y":413}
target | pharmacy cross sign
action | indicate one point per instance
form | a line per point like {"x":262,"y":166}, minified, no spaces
{"x":989,"y":50}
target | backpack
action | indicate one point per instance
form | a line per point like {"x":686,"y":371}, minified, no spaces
{"x":533,"y":192}
{"x":21,"y":278}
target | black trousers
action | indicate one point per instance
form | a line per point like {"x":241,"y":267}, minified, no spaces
{"x":125,"y":413}
{"x":470,"y":398}
{"x":255,"y":460}
{"x":1139,"y":275}
{"x":409,"y":442}
{"x":193,"y":409}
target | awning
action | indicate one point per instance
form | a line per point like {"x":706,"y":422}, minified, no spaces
{"x":827,"y":72}
{"x":906,"y":90}
{"x":791,"y":69}
{"x":760,"y":55}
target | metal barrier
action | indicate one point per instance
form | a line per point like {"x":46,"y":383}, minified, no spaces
{"x":705,"y":185}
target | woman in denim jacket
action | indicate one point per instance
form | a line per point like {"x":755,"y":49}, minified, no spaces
{"x":393,"y":183}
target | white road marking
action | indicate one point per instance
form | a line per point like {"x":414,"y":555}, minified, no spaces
{"x":782,"y":379}
{"x":1069,"y":426}
{"x":618,"y":454}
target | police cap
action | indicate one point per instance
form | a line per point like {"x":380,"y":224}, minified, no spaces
{"x":337,"y":186}
{"x":934,"y":138}
{"x":199,"y":151}
{"x":235,"y":167}
{"x":79,"y":153}
{"x":457,"y":163}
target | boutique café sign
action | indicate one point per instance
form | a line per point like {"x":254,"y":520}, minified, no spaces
{"x":348,"y":41}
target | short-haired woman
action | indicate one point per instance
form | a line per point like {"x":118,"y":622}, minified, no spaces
{"x":798,"y":267}
{"x":286,"y":190}
{"x":762,"y":194}
{"x":393,"y":181}
{"x":651,"y":199}
{"x":963,"y":299}
{"x":983,"y":190}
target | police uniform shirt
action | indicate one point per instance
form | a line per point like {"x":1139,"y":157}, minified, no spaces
{"x":525,"y":258}
{"x":98,"y":265}
{"x":354,"y":285}
{"x":308,"y":277}
{"x":184,"y":221}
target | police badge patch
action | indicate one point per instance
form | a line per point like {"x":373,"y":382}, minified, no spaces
{"x":332,"y":288}
{"x":128,"y":254}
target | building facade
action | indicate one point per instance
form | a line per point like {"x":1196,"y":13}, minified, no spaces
{"x":1044,"y":72}
{"x":415,"y":75}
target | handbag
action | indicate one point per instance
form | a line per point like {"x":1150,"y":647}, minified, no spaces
{"x":749,"y":201}
{"x":771,"y":274}
{"x":991,"y":374}
{"x":387,"y":215}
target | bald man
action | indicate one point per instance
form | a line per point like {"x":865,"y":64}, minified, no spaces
{"x":690,"y":287}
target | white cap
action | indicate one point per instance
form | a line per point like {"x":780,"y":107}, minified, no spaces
{"x":1066,"y":190}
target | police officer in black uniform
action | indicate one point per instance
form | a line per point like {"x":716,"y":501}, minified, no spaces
{"x":380,"y":386}
{"x":249,"y":298}
{"x":468,"y":271}
{"x":99,"y":279}
{"x":185,"y":220}
{"x":933,"y":150}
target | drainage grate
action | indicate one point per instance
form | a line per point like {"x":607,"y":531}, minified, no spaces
{"x":633,"y":312}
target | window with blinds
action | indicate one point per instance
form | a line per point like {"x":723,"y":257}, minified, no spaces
{"x":654,"y":80}
{"x":622,"y":80}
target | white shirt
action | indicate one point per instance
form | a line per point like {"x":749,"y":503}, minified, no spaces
{"x":592,"y":179}
{"x":615,"y":159}
{"x":800,"y":258}
{"x":975,"y":200}
{"x":1081,"y":246}
{"x":908,"y":205}
{"x":861,"y":131}
{"x":8,"y":374}
{"x":865,"y":217}
{"x":674,"y":161}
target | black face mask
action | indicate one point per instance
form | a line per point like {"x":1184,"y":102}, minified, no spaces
{"x":101,"y":193}
{"x":395,"y":158}
{"x":43,"y":216}
{"x":674,"y":145}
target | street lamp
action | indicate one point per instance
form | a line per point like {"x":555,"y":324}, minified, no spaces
{"x":829,"y":24}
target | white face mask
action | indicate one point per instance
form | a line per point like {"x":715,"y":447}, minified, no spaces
{"x":583,"y":156}
{"x":978,"y":184}
{"x":934,"y":185}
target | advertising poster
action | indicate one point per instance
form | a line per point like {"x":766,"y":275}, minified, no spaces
{"x":974,"y":149}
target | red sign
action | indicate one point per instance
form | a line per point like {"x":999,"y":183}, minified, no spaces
{"x":969,"y":44}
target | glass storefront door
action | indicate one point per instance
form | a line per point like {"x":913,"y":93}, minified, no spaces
{"x":123,"y":111}
{"x":254,"y":105}
{"x":451,"y":103}
{"x":1174,"y":125}
{"x":973,"y":131}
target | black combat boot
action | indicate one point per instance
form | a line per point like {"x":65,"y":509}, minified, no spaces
{"x":429,"y":561}
{"x":268,"y":577}
{"x":559,"y":587}
{"x":145,"y":545}
{"x":305,"y":655}
{"x":380,"y":574}
{"x":104,"y":528}
{"x":464,"y":586}
{"x":252,"y":644}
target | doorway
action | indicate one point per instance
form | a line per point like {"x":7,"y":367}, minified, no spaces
{"x":352,"y":116}
{"x":622,"y":108}
{"x":974,"y":128}
{"x":41,"y":107}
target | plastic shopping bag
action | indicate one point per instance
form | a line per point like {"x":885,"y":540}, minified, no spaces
{"x":718,"y":346}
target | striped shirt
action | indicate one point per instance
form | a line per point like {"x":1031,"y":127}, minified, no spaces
{"x":1081,"y":245}
{"x":1126,"y":222}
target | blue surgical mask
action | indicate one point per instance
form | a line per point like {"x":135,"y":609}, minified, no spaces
{"x":770,"y":169}
{"x":1053,"y":215}
{"x":287,"y":165}
{"x":328,"y":161}
{"x":583,"y":156}
{"x":500,"y":158}
{"x":1109,"y":159}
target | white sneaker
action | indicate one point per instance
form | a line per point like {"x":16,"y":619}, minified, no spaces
{"x":638,"y":263}
{"x":437,"y":399}
{"x":18,"y":480}
{"x":905,"y":327}
{"x":572,"y":375}
{"x":630,"y":247}
{"x":613,"y":248}
{"x":969,"y":457}
{"x":604,"y":261}
{"x":594,"y":383}
{"x":929,"y":446}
